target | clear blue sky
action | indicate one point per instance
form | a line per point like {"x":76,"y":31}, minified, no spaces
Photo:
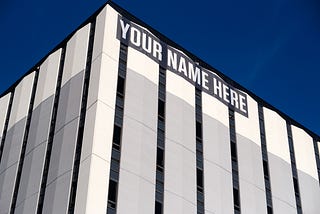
{"x":271,"y":47}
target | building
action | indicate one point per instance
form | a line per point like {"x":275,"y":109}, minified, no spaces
{"x":120,"y":119}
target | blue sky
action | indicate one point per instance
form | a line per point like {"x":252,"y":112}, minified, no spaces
{"x":271,"y":47}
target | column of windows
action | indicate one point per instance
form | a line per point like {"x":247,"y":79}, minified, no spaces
{"x":265,"y":161}
{"x":160,"y":142}
{"x":234,"y":161}
{"x":294,"y":170}
{"x":199,"y":152}
{"x":117,"y":132}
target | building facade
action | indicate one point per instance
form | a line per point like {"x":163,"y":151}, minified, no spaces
{"x":120,"y":119}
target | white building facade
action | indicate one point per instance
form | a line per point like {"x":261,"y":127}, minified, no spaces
{"x":120,"y":119}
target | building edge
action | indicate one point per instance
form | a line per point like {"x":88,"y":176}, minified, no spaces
{"x":173,"y":44}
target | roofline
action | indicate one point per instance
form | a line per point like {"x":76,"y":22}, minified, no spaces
{"x":173,"y":44}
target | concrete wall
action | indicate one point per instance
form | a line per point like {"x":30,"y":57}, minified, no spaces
{"x":38,"y":135}
{"x":283,"y":197}
{"x":307,"y":171}
{"x":251,"y":177}
{"x":93,"y":180}
{"x":13,"y":142}
{"x":217,"y":157}
{"x":180,"y":150}
{"x":66,"y":129}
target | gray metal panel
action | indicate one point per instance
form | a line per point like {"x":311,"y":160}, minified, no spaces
{"x":12,"y":146}
{"x":136,"y":193}
{"x":180,"y":157}
{"x":9,"y":164}
{"x":252,"y":192}
{"x":69,"y":101}
{"x":57,"y":195}
{"x":309,"y":193}
{"x":59,"y":177}
{"x":6,"y":188}
{"x":63,"y":151}
{"x":217,"y":166}
{"x":31,"y":178}
{"x":40,"y":124}
{"x":281,"y":183}
{"x":28,"y":206}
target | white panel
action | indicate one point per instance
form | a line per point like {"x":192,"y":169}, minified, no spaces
{"x":249,"y":126}
{"x":4,"y":104}
{"x":21,"y":100}
{"x":276,"y":135}
{"x":180,"y":147}
{"x":217,"y":156}
{"x":216,"y":109}
{"x":283,"y":197}
{"x":307,"y":170}
{"x":93,"y":180}
{"x":138,"y":147}
{"x":252,"y":188}
{"x":47,"y":80}
{"x":103,"y":81}
{"x":304,"y":150}
{"x":106,"y":40}
{"x":76,"y":54}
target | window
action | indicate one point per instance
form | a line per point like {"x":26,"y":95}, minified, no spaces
{"x":158,"y":208}
{"x":159,"y":189}
{"x":200,"y":180}
{"x":120,"y":86}
{"x":161,"y":109}
{"x":160,"y":162}
{"x":116,"y":135}
{"x":112,"y":197}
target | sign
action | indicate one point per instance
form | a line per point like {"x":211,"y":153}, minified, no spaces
{"x":177,"y":62}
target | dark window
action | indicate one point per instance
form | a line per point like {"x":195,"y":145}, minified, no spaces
{"x":112,"y":197}
{"x":158,"y":208}
{"x":161,"y":108}
{"x":120,"y":86}
{"x":160,"y":162}
{"x":236,"y":199}
{"x":233,"y":150}
{"x":198,"y":130}
{"x":296,"y":186}
{"x":116,"y":135}
{"x":265,"y":169}
{"x":117,"y":129}
{"x":200,"y":179}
